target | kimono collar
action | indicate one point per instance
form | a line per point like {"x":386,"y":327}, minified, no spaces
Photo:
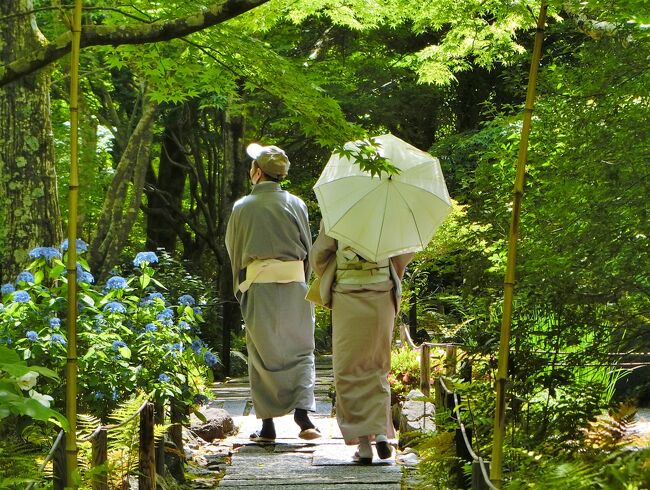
{"x":266,"y":186}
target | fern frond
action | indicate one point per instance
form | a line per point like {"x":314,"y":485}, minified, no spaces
{"x":18,"y":463}
{"x":611,"y":431}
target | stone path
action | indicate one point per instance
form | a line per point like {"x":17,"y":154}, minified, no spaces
{"x":641,"y":429}
{"x":304,"y":465}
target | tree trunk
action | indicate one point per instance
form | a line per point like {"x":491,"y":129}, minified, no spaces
{"x":122,"y":204}
{"x":29,"y":207}
{"x":165,"y":190}
{"x":232,"y":185}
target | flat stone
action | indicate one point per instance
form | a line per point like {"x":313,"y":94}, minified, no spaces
{"x":270,"y":473}
{"x":333,"y":455}
{"x":417,"y":415}
{"x":312,"y":486}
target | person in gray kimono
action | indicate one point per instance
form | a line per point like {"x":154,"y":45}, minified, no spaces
{"x":268,"y":240}
{"x":364,"y":297}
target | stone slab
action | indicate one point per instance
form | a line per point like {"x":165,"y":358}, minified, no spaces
{"x":340,"y":454}
{"x":299,"y":485}
{"x":265,"y":472}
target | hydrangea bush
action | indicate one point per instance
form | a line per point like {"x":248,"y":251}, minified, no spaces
{"x":130,"y":336}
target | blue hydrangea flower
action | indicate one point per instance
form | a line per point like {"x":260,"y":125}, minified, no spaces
{"x":163,"y":378}
{"x":85,"y":277}
{"x":58,"y":339}
{"x":25,"y":276}
{"x":166,"y":314}
{"x":150,"y":327}
{"x":116,"y":282}
{"x":48,"y":253}
{"x":114,"y":307}
{"x":21,"y":297}
{"x":149,"y":299}
{"x":99,"y":395}
{"x":184,"y":325}
{"x":115,"y":395}
{"x":178,"y":346}
{"x":31,"y":335}
{"x":54,"y":322}
{"x":143,"y":258}
{"x":210,"y":359}
{"x":186,"y":300}
{"x":167,"y":323}
{"x":81,"y":245}
{"x":7,"y":288}
{"x":197,"y":310}
{"x":197,"y":345}
{"x":117,"y":344}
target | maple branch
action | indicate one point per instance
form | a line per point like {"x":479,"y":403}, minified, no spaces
{"x":118,"y":35}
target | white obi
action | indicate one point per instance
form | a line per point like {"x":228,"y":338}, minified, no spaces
{"x":273,"y":270}
{"x":354,"y":269}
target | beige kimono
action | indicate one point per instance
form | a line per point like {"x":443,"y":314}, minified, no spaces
{"x":272,"y":224}
{"x":364,"y":298}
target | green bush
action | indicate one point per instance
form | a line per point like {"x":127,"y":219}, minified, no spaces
{"x":404,"y":373}
{"x":130,"y":337}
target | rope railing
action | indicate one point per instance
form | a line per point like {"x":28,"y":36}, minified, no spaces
{"x":450,"y":400}
{"x":49,"y":456}
{"x":99,"y":439}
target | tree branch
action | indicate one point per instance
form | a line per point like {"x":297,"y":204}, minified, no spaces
{"x":117,"y":35}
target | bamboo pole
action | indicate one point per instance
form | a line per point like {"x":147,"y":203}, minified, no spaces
{"x":71,"y":365}
{"x":509,"y":283}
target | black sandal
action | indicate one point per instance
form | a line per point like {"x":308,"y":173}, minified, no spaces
{"x":258,"y":437}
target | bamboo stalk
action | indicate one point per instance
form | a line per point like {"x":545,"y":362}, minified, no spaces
{"x":502,"y":373}
{"x":71,"y":365}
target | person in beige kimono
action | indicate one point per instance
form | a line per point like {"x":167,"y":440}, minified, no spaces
{"x":268,"y":239}
{"x":364,"y":297}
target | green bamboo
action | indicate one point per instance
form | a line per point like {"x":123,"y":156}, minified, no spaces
{"x":71,"y":365}
{"x":509,"y":283}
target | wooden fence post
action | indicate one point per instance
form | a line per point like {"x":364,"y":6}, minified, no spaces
{"x":462,"y":451}
{"x":159,"y":419}
{"x":177,"y":412}
{"x":147,"y":479}
{"x":425,"y":369}
{"x":59,"y":466}
{"x":450,"y":360}
{"x":100,"y":456}
{"x":478,"y":481}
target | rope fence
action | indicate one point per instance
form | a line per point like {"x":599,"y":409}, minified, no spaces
{"x":99,"y":440}
{"x":450,"y":400}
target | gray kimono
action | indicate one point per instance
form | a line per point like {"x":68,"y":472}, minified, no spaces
{"x":270,"y":223}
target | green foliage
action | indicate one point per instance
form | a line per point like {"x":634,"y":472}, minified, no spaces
{"x":367,"y":155}
{"x":437,"y":452}
{"x":322,"y":329}
{"x":18,"y":463}
{"x":601,"y":457}
{"x":404,"y":373}
{"x":16,"y":378}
